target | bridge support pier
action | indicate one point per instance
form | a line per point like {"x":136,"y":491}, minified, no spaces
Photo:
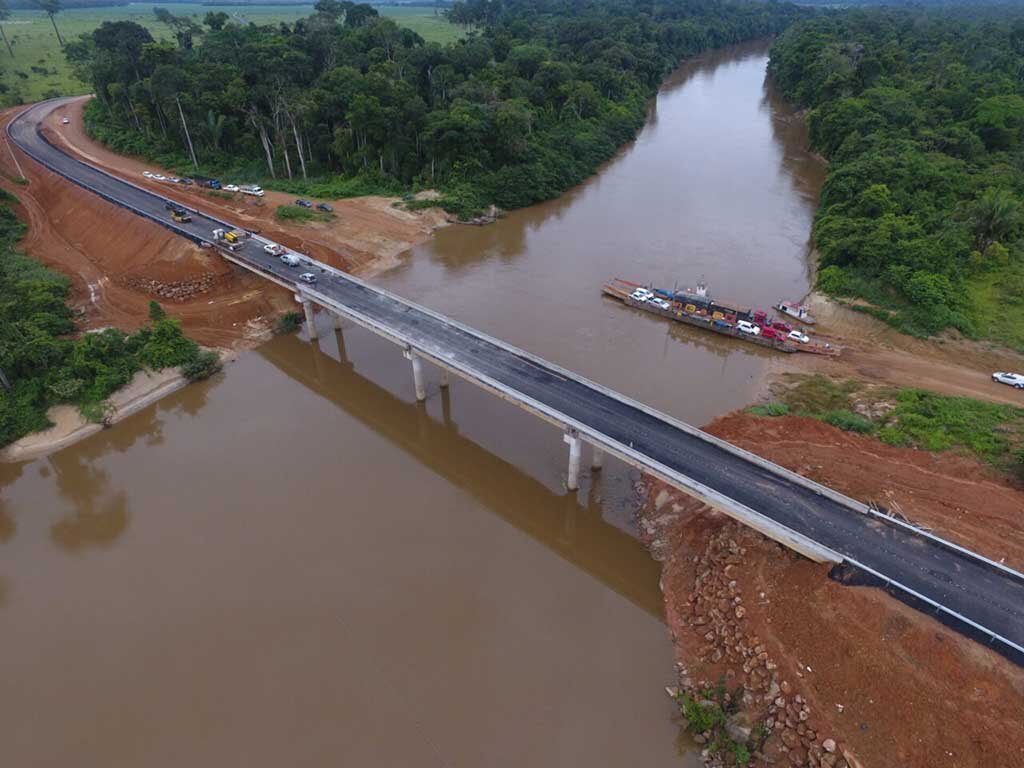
{"x":307,"y":309}
{"x":573,"y":480}
{"x":597,"y":459}
{"x":337,"y":321}
{"x":444,"y":377}
{"x":417,"y":374}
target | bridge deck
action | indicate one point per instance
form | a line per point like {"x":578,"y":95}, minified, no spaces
{"x":971,"y":590}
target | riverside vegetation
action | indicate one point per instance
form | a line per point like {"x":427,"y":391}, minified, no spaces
{"x":907,"y":417}
{"x":921,"y":116}
{"x":527,"y":104}
{"x":43,"y":364}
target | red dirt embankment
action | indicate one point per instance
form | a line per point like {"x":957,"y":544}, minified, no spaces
{"x":366,"y":234}
{"x":832,"y":667}
{"x":118,"y":262}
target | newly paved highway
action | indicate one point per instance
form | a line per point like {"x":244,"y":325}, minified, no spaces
{"x":968,"y":589}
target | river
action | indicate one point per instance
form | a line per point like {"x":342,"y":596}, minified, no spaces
{"x":296,"y":564}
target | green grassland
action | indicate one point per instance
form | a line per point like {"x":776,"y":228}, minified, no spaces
{"x":38,"y":69}
{"x":906,"y":417}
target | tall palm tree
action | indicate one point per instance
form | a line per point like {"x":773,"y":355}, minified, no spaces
{"x":994,"y":215}
{"x":52,"y":8}
{"x":4,"y":14}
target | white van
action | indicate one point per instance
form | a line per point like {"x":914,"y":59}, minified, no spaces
{"x":251,"y":189}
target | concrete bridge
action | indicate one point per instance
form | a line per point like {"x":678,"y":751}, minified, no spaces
{"x":978,"y":596}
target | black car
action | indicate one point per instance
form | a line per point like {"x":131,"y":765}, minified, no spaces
{"x":324,"y":207}
{"x":303,"y":203}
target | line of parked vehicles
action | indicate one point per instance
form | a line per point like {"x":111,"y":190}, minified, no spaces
{"x":761,"y":325}
{"x":254,"y":190}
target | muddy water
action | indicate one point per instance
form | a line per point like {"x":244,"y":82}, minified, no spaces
{"x":718,"y":186}
{"x":296,"y":564}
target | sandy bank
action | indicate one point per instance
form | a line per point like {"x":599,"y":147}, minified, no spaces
{"x":69,"y":426}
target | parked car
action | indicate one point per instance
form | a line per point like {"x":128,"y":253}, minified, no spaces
{"x":187,"y":182}
{"x":303,"y":203}
{"x":174,"y":180}
{"x":66,"y":121}
{"x":659,"y":303}
{"x":291,"y":260}
{"x":324,"y":207}
{"x":251,"y":189}
{"x":1015,"y":380}
{"x":159,"y":177}
{"x":641,"y":294}
{"x":748,"y":327}
{"x":231,"y":187}
{"x":307,"y":277}
{"x":273,"y":249}
{"x":148,"y":174}
{"x":799,"y":337}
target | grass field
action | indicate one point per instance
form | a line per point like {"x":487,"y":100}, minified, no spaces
{"x":38,"y":69}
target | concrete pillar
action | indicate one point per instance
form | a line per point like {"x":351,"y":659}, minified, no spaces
{"x":337,"y":321}
{"x":307,"y":308}
{"x":417,"y":374}
{"x":573,"y":480}
{"x":444,"y":377}
{"x":597,"y":459}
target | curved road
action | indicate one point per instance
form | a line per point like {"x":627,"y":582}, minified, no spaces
{"x":977,"y":596}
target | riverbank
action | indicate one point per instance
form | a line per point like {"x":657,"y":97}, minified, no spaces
{"x":69,"y":426}
{"x":948,"y":364}
{"x":829,"y":675}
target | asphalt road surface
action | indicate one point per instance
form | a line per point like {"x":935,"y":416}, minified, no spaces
{"x":964,"y":585}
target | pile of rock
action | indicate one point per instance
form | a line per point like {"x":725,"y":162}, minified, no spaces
{"x":176,"y":290}
{"x":771,"y":719}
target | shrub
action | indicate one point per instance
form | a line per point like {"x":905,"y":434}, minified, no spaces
{"x":205,"y":364}
{"x":156,"y":312}
{"x":848,"y":421}
{"x":295,"y":213}
{"x":289,"y":322}
{"x":769,"y":409}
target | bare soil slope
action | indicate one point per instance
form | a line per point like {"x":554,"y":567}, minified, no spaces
{"x":834,"y":666}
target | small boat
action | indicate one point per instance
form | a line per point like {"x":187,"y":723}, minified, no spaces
{"x":796,"y":311}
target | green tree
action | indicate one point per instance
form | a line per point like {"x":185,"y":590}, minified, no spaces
{"x":995,"y":215}
{"x":51,"y":8}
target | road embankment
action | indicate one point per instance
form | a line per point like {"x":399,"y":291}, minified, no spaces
{"x":829,"y":675}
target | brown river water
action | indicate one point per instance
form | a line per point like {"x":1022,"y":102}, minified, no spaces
{"x":296,"y":564}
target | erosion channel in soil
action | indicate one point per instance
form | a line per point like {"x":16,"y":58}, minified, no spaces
{"x":295,"y":562}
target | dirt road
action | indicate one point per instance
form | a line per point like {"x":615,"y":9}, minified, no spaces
{"x":873,"y":351}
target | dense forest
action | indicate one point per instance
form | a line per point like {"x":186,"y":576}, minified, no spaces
{"x":534,"y":97}
{"x":42,"y":365}
{"x":921,"y":116}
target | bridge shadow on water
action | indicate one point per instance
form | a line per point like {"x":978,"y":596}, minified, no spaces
{"x":577,"y":532}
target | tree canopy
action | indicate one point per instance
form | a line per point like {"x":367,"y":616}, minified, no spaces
{"x":921,"y":116}
{"x":529,"y":103}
